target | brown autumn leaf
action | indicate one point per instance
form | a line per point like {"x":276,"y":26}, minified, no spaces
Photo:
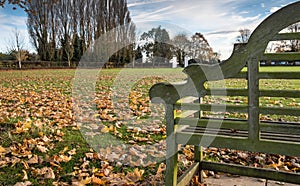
{"x":26,"y":183}
{"x":42,"y":148}
{"x":135,"y":176}
{"x":98,"y":181}
{"x":25,"y":177}
{"x":3,"y":150}
{"x":49,"y":174}
{"x":33,"y":160}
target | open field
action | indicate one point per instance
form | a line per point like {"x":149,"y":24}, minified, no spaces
{"x":53,"y":133}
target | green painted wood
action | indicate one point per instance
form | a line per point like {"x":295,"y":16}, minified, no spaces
{"x":240,"y":75}
{"x":212,"y":107}
{"x":244,"y":92}
{"x":287,"y":36}
{"x":188,"y":174}
{"x":253,"y":100}
{"x":213,"y":123}
{"x":279,"y":75}
{"x":280,"y":111}
{"x":287,"y":56}
{"x":269,"y":174}
{"x":280,"y":93}
{"x":172,"y":150}
{"x":227,"y":92}
{"x":240,"y":143}
{"x":285,"y":128}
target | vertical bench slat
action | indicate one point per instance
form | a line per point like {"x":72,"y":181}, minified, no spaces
{"x":253,"y":102}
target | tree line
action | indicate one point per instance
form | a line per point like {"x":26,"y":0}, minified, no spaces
{"x":64,"y":29}
{"x":160,"y":48}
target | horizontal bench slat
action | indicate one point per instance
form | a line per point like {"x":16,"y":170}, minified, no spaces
{"x":280,"y":93}
{"x":244,"y":92}
{"x":279,"y":75}
{"x":213,"y":123}
{"x":280,"y":111}
{"x":211,"y":107}
{"x":228,"y":92}
{"x":237,"y":108}
{"x":280,"y":127}
{"x":286,"y":56}
{"x":287,"y":36}
{"x":240,"y":143}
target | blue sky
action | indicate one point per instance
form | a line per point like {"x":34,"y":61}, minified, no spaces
{"x":218,"y":20}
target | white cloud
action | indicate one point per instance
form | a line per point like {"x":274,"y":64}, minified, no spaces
{"x":203,"y":16}
{"x":274,"y":9}
{"x":132,"y":3}
{"x":8,"y":25}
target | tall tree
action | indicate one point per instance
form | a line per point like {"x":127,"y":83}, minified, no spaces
{"x":16,"y":46}
{"x":158,"y":45}
{"x":64,"y":29}
{"x":200,"y":50}
{"x":180,"y":45}
{"x":294,"y":44}
{"x":42,"y":28}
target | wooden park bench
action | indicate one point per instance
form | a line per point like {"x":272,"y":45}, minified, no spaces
{"x":249,"y":134}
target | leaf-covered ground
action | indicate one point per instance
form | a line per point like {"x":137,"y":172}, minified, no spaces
{"x":54,"y":134}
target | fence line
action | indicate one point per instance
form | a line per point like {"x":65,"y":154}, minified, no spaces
{"x":11,"y":65}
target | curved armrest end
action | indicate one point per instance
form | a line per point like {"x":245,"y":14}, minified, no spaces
{"x":164,"y":93}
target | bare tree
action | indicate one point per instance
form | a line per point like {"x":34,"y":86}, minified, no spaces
{"x":244,"y":35}
{"x":287,"y":45}
{"x":180,"y":44}
{"x":64,"y":29}
{"x":294,"y":44}
{"x":16,"y":45}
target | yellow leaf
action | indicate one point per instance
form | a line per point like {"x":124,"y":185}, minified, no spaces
{"x":98,"y":181}
{"x":25,"y":177}
{"x":86,"y":181}
{"x":2,"y":150}
{"x":27,"y":124}
{"x":139,"y":173}
{"x":105,"y":129}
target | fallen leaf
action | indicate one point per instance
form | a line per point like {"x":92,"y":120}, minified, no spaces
{"x":98,"y":181}
{"x":26,"y":183}
{"x":2,"y":150}
{"x":25,"y":177}
{"x":49,"y":174}
{"x":33,"y":160}
{"x":42,"y":148}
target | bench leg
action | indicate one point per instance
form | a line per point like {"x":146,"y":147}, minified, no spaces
{"x":198,"y":157}
{"x":172,"y":163}
{"x":172,"y":148}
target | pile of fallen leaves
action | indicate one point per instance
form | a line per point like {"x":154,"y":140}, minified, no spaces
{"x":41,"y":133}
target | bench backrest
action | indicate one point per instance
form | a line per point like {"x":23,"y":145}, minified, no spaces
{"x":250,"y":55}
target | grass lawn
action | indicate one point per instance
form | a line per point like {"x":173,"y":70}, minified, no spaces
{"x":50,"y":134}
